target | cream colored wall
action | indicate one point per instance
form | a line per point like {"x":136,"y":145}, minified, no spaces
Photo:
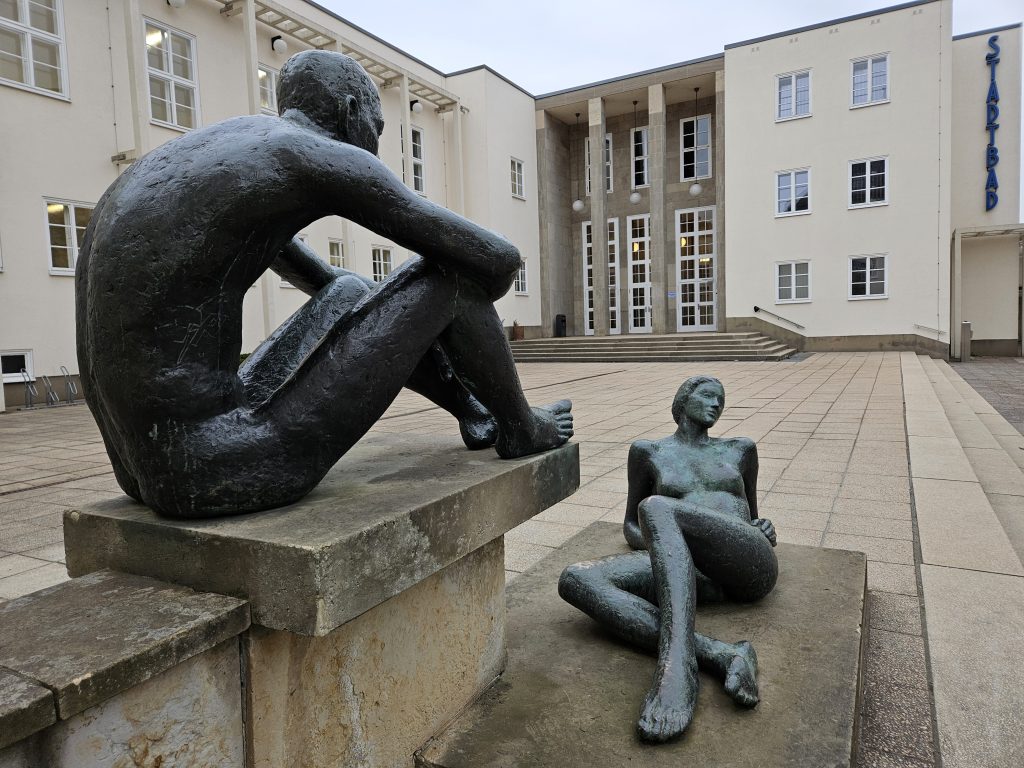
{"x":970,"y":139}
{"x":907,"y":130}
{"x":498,"y":127}
{"x":991,"y":274}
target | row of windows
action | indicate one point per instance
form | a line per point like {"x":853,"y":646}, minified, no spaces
{"x":868,"y":186}
{"x":869,"y":84}
{"x":694,"y":154}
{"x":66,"y":223}
{"x":868,"y":279}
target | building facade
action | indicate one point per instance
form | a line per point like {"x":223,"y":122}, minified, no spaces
{"x":850,"y":185}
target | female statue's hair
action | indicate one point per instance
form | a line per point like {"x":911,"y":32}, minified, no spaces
{"x":684,"y":392}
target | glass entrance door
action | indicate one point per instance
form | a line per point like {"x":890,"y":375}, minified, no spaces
{"x":695,"y":269}
{"x":613,"y":277}
{"x":587,"y":238}
{"x":639,"y":273}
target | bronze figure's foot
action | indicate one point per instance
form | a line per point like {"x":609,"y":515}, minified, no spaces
{"x":741,"y":676}
{"x":550,"y":427}
{"x":668,"y":708}
{"x":478,"y":428}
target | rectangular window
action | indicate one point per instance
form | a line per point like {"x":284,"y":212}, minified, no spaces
{"x":695,"y":149}
{"x":381,"y":263}
{"x":418,"y":183}
{"x":640,"y":153}
{"x":518,"y":185}
{"x":607,"y":162}
{"x":65,"y":225}
{"x":870,"y":80}
{"x":336,"y":253}
{"x":12,"y":362}
{"x":268,"y":89}
{"x":792,"y":282}
{"x":588,"y":278}
{"x":869,"y":182}
{"x":792,"y":95}
{"x":793,"y":192}
{"x":520,"y":283}
{"x":32,"y":45}
{"x":869,"y":277}
{"x":173,"y":91}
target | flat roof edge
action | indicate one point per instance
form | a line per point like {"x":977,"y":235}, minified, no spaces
{"x":987,"y":31}
{"x":819,"y":25}
{"x":634,"y":74}
{"x":494,"y":72}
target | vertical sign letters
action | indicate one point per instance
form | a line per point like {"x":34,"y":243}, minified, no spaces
{"x":991,"y":126}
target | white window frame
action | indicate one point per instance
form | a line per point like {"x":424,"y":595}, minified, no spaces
{"x":792,"y":287}
{"x":696,"y":147}
{"x":868,"y":203}
{"x":15,"y":378}
{"x":381,"y":256}
{"x":643,"y":158}
{"x":270,"y":75}
{"x":170,"y":78}
{"x":868,"y":267}
{"x":871,"y":69}
{"x":614,"y":286}
{"x":331,"y":243}
{"x":780,"y":118}
{"x":518,"y":178}
{"x":791,"y":173}
{"x":71,"y":237}
{"x":419,"y":177}
{"x":29,"y":35}
{"x":521,"y":286}
{"x":608,"y":176}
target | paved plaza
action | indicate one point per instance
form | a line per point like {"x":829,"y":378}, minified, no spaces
{"x":887,"y":453}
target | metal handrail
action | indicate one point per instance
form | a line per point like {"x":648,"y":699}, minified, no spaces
{"x":779,"y":317}
{"x":69,"y":385}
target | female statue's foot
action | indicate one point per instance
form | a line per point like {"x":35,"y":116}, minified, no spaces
{"x":668,"y":708}
{"x":477,"y":427}
{"x":549,"y":427}
{"x":741,"y":676}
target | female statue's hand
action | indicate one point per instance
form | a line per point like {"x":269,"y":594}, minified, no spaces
{"x":766,"y":527}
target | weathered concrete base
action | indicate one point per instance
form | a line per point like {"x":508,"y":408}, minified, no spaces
{"x":885,"y":342}
{"x":571,"y":695}
{"x":190,"y":715}
{"x":371,"y":692}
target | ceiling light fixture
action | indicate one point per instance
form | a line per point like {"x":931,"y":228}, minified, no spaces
{"x":634,"y":196}
{"x":695,"y":188}
{"x":577,"y":204}
{"x":279,"y":44}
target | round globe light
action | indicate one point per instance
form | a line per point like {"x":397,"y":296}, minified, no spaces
{"x":695,"y":189}
{"x":176,"y":3}
{"x":415,"y":106}
{"x":634,"y":198}
{"x":279,"y":44}
{"x":577,"y":205}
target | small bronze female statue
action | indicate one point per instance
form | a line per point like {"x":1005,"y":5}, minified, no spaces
{"x":692,"y":506}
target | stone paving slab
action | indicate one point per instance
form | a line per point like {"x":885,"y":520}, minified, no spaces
{"x":25,"y":707}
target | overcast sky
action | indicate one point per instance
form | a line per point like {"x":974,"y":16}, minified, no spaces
{"x":548,"y":45}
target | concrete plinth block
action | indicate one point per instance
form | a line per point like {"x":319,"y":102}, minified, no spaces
{"x":25,"y":707}
{"x":571,"y":694}
{"x":374,"y":690}
{"x":394,"y":511}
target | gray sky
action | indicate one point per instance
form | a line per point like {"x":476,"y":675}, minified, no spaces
{"x":548,"y":45}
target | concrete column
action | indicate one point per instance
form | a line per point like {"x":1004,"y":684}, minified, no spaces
{"x":662,"y":262}
{"x":718,"y":169}
{"x":956,"y":295}
{"x":598,"y":215}
{"x":403,"y":111}
{"x":458,"y":201}
{"x":559,"y":258}
{"x":135,"y":41}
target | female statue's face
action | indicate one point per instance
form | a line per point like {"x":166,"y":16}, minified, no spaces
{"x":705,"y":404}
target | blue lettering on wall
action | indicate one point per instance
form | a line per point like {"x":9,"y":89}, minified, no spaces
{"x":991,"y":126}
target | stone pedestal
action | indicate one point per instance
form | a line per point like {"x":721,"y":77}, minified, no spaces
{"x":377,"y":601}
{"x":571,"y":695}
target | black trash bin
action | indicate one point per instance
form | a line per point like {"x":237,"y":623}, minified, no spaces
{"x":559,"y":326}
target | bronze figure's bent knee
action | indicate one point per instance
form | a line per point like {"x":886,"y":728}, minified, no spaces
{"x":691,"y":514}
{"x":178,"y":239}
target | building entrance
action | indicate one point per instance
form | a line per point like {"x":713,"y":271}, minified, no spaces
{"x":695,"y":269}
{"x":639,"y":273}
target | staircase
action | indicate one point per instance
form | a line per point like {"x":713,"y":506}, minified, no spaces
{"x":670,"y":348}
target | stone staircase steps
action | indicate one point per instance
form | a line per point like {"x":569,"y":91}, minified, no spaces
{"x":667,"y":349}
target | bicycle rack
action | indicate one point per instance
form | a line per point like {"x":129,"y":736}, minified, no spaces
{"x":31,"y":393}
{"x":69,"y":385}
{"x":51,"y":396}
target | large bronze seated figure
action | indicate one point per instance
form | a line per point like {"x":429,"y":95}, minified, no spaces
{"x":691,"y":513}
{"x":178,"y":239}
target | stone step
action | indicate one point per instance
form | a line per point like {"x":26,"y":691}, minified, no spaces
{"x":654,"y":358}
{"x":644,"y":337}
{"x":652,"y":349}
{"x":650,"y":346}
